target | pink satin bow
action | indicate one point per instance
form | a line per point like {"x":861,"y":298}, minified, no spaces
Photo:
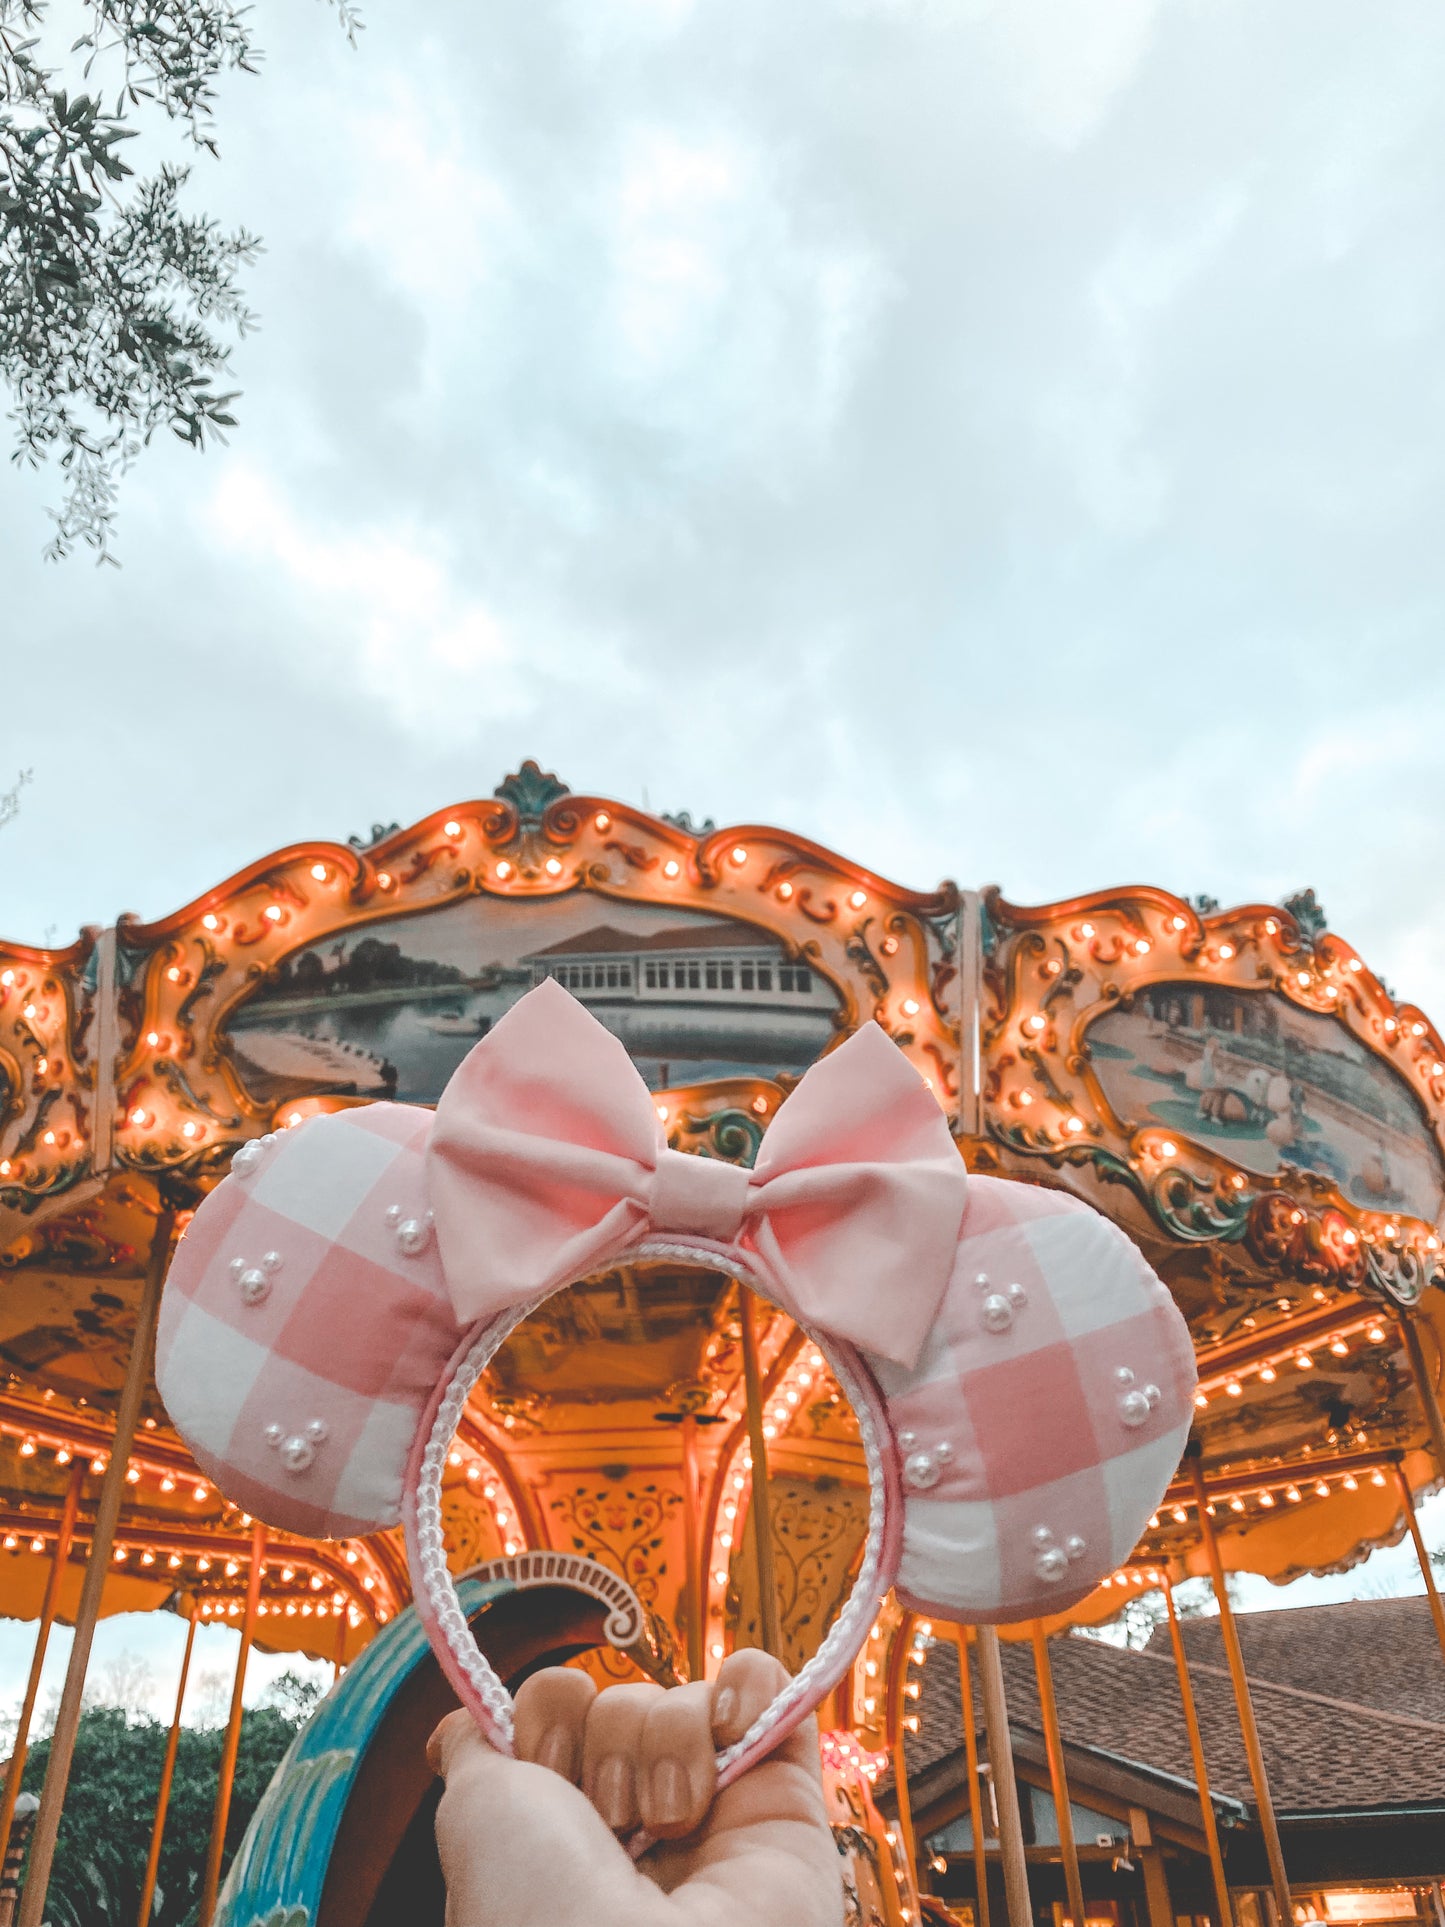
{"x":547,"y":1161}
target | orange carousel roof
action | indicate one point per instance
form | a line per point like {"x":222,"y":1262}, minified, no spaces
{"x":1237,"y":1089}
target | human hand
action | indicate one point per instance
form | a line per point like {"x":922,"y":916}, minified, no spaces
{"x":532,"y":1841}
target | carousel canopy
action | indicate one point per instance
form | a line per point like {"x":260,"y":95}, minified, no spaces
{"x":1236,"y":1088}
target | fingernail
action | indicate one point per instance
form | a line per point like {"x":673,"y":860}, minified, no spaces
{"x":724,"y":1709}
{"x":670,"y":1796}
{"x":613,"y":1795}
{"x":555,"y":1751}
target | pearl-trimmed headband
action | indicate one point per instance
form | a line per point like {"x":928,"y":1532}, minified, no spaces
{"x":1022,"y":1382}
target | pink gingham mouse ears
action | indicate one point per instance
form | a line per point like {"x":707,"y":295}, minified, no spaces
{"x":1023,"y":1383}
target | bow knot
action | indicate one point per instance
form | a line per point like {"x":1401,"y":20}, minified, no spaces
{"x":698,"y":1197}
{"x":546,"y":1163}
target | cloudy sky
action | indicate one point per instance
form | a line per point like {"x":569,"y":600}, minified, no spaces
{"x":997,"y":438}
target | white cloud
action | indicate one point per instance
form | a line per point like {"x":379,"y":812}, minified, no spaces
{"x":384,"y":607}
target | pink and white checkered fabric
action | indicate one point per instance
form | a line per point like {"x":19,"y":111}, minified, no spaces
{"x":306,"y":1322}
{"x":1046,"y":1415}
{"x":1022,"y":1378}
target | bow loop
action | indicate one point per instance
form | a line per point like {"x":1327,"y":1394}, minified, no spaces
{"x":546,"y":1162}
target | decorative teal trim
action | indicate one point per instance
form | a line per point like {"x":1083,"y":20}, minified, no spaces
{"x":279,"y":1871}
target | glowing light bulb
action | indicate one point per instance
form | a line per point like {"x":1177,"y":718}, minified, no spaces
{"x":909,"y":1006}
{"x":211,"y":920}
{"x":602,"y":821}
{"x":672,"y":867}
{"x":553,"y":866}
{"x":1268,"y":1374}
{"x":504,"y":870}
{"x":739,"y":855}
{"x":451,"y":829}
{"x":1226,"y":951}
{"x":319,"y":872}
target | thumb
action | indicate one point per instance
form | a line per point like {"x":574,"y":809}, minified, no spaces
{"x":522,"y":1846}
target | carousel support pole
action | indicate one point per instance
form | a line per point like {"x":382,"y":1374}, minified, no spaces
{"x":905,"y":1804}
{"x":1254,"y":1753}
{"x":102,"y":1540}
{"x":693,"y":1574}
{"x":168,"y":1769}
{"x":21,"y":1743}
{"x":1058,"y":1776}
{"x":1201,"y":1771}
{"x":338,"y":1664}
{"x":1437,"y":1610}
{"x":893,"y":1713}
{"x":226,"y":1779}
{"x":975,"y":1798}
{"x":1425,"y":1386}
{"x":1005,"y":1786}
{"x":761,"y":1509}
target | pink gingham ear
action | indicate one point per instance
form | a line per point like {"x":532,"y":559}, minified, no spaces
{"x":305,"y":1322}
{"x":1043,"y":1422}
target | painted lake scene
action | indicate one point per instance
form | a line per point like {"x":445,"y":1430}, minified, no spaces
{"x":1270,"y":1085}
{"x":391,"y":1010}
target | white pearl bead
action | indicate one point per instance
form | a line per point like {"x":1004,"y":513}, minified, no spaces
{"x":412,"y":1235}
{"x":997,"y":1313}
{"x":1052,"y":1564}
{"x":255,"y":1286}
{"x":1134,"y":1409}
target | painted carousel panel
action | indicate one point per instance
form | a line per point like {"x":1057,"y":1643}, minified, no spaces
{"x":1270,"y":1086}
{"x":390,"y":1009}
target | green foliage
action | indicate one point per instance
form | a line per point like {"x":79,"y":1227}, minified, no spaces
{"x":105,"y":1830}
{"x":112,"y":297}
{"x":10,"y":799}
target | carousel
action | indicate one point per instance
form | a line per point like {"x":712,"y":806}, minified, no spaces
{"x":646,"y":1479}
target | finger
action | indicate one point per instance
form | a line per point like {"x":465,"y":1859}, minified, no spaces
{"x":552,"y":1709}
{"x":676,"y":1761}
{"x":747,"y":1683}
{"x":610,"y":1747}
{"x":445,"y":1740}
{"x":520,"y":1847}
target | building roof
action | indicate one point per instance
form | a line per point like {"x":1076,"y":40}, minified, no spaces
{"x":1371,"y":1645}
{"x":1365,"y":1729}
{"x":605,"y":941}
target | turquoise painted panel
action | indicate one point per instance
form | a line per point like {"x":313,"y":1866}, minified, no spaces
{"x":279,"y":1871}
